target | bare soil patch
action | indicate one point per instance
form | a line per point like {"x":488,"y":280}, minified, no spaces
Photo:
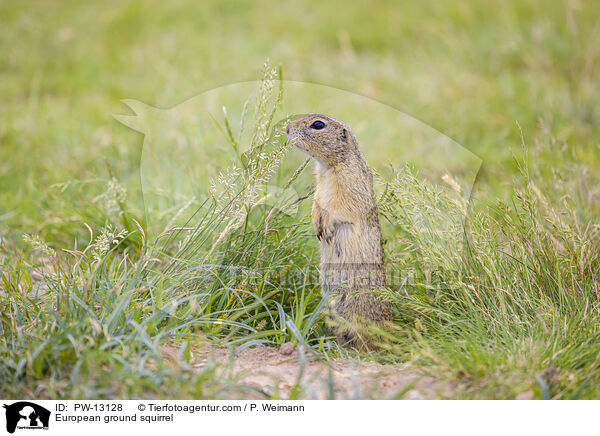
{"x":282,"y":370}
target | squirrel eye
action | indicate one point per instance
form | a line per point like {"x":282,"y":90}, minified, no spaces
{"x":317,"y":125}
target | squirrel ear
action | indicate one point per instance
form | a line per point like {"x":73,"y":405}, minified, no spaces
{"x":344,"y":135}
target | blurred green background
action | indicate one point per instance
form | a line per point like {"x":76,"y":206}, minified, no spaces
{"x":471,"y":70}
{"x":504,"y":79}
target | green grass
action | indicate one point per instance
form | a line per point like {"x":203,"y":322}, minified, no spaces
{"x":515,"y":309}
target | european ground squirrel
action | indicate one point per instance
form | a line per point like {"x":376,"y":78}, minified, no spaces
{"x":346,"y":221}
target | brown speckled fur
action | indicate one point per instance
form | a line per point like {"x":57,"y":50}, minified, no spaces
{"x":346,"y":221}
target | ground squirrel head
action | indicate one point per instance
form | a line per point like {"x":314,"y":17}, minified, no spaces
{"x":327,"y":139}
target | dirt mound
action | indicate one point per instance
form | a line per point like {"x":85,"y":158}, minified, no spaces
{"x":281,"y":371}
